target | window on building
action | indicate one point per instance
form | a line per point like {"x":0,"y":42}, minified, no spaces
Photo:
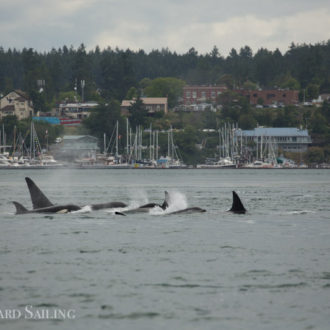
{"x":194,"y":95}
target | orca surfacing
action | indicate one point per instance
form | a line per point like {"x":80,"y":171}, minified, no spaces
{"x":237,"y":206}
{"x":41,"y":204}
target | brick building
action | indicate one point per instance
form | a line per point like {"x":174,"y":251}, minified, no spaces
{"x":271,"y":96}
{"x":201,"y":94}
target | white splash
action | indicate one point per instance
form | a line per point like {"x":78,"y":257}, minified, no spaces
{"x":301,"y":212}
{"x":137,"y":198}
{"x":177,"y":201}
{"x":84,"y":209}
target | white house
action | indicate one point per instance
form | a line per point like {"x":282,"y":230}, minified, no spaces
{"x":16,"y":103}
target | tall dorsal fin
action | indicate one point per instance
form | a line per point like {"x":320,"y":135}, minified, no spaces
{"x":39,"y":200}
{"x":237,"y":206}
{"x":166,"y":201}
{"x":20,"y":209}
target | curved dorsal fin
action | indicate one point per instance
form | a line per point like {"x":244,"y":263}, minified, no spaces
{"x":237,"y":206}
{"x":39,"y":200}
{"x":20,"y":209}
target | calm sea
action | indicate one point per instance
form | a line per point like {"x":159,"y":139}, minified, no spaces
{"x":268,"y":269}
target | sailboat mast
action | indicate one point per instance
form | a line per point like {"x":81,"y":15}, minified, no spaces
{"x":117,"y":139}
{"x":168,"y":143}
{"x":31,"y":140}
{"x":104,"y":144}
{"x":127,"y":139}
{"x":150,"y":142}
{"x":156,"y":144}
{"x":14,"y":147}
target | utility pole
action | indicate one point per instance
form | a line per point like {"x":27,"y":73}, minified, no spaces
{"x":82,"y":84}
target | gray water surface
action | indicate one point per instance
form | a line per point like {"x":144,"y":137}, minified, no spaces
{"x":268,"y":269}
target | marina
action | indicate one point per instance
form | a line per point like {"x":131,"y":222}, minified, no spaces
{"x":142,"y":150}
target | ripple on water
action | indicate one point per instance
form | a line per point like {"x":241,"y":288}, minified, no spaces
{"x":90,"y":251}
{"x":247,"y":287}
{"x":185,"y":286}
{"x":130,"y":316}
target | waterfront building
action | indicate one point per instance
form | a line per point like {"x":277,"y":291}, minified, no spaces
{"x":288,"y":139}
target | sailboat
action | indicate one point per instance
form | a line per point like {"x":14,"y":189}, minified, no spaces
{"x":227,"y":149}
{"x":37,"y":158}
{"x":265,"y":154}
{"x":172,"y":160}
{"x":113,"y":159}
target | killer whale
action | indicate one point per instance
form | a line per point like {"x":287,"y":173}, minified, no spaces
{"x":110,"y":205}
{"x":147,"y":207}
{"x":164,"y":206}
{"x":20,"y":209}
{"x":189,"y":210}
{"x":237,"y":206}
{"x":41,"y":204}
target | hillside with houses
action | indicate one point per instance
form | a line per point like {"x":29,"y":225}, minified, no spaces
{"x":74,"y":91}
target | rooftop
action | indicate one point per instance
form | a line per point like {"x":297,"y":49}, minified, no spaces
{"x":146,"y":101}
{"x":276,"y":131}
{"x":77,"y":137}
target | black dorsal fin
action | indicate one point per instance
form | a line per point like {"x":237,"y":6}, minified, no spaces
{"x":39,"y":200}
{"x":237,"y":206}
{"x":20,"y":209}
{"x":166,"y":201}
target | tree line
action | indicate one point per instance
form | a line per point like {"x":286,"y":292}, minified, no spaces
{"x":111,"y":73}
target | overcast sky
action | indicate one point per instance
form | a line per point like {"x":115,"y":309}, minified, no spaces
{"x":174,"y":24}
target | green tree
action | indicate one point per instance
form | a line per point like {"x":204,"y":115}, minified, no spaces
{"x":104,"y":119}
{"x":226,"y":79}
{"x":318,"y":123}
{"x":138,"y":113}
{"x":246,"y":121}
{"x":325,"y":110}
{"x":287,"y":81}
{"x":312,"y":91}
{"x":71,"y":96}
{"x":39,"y":101}
{"x":166,"y":87}
{"x":186,"y":142}
{"x":131,"y":94}
{"x":250,"y":85}
{"x":314,"y":155}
